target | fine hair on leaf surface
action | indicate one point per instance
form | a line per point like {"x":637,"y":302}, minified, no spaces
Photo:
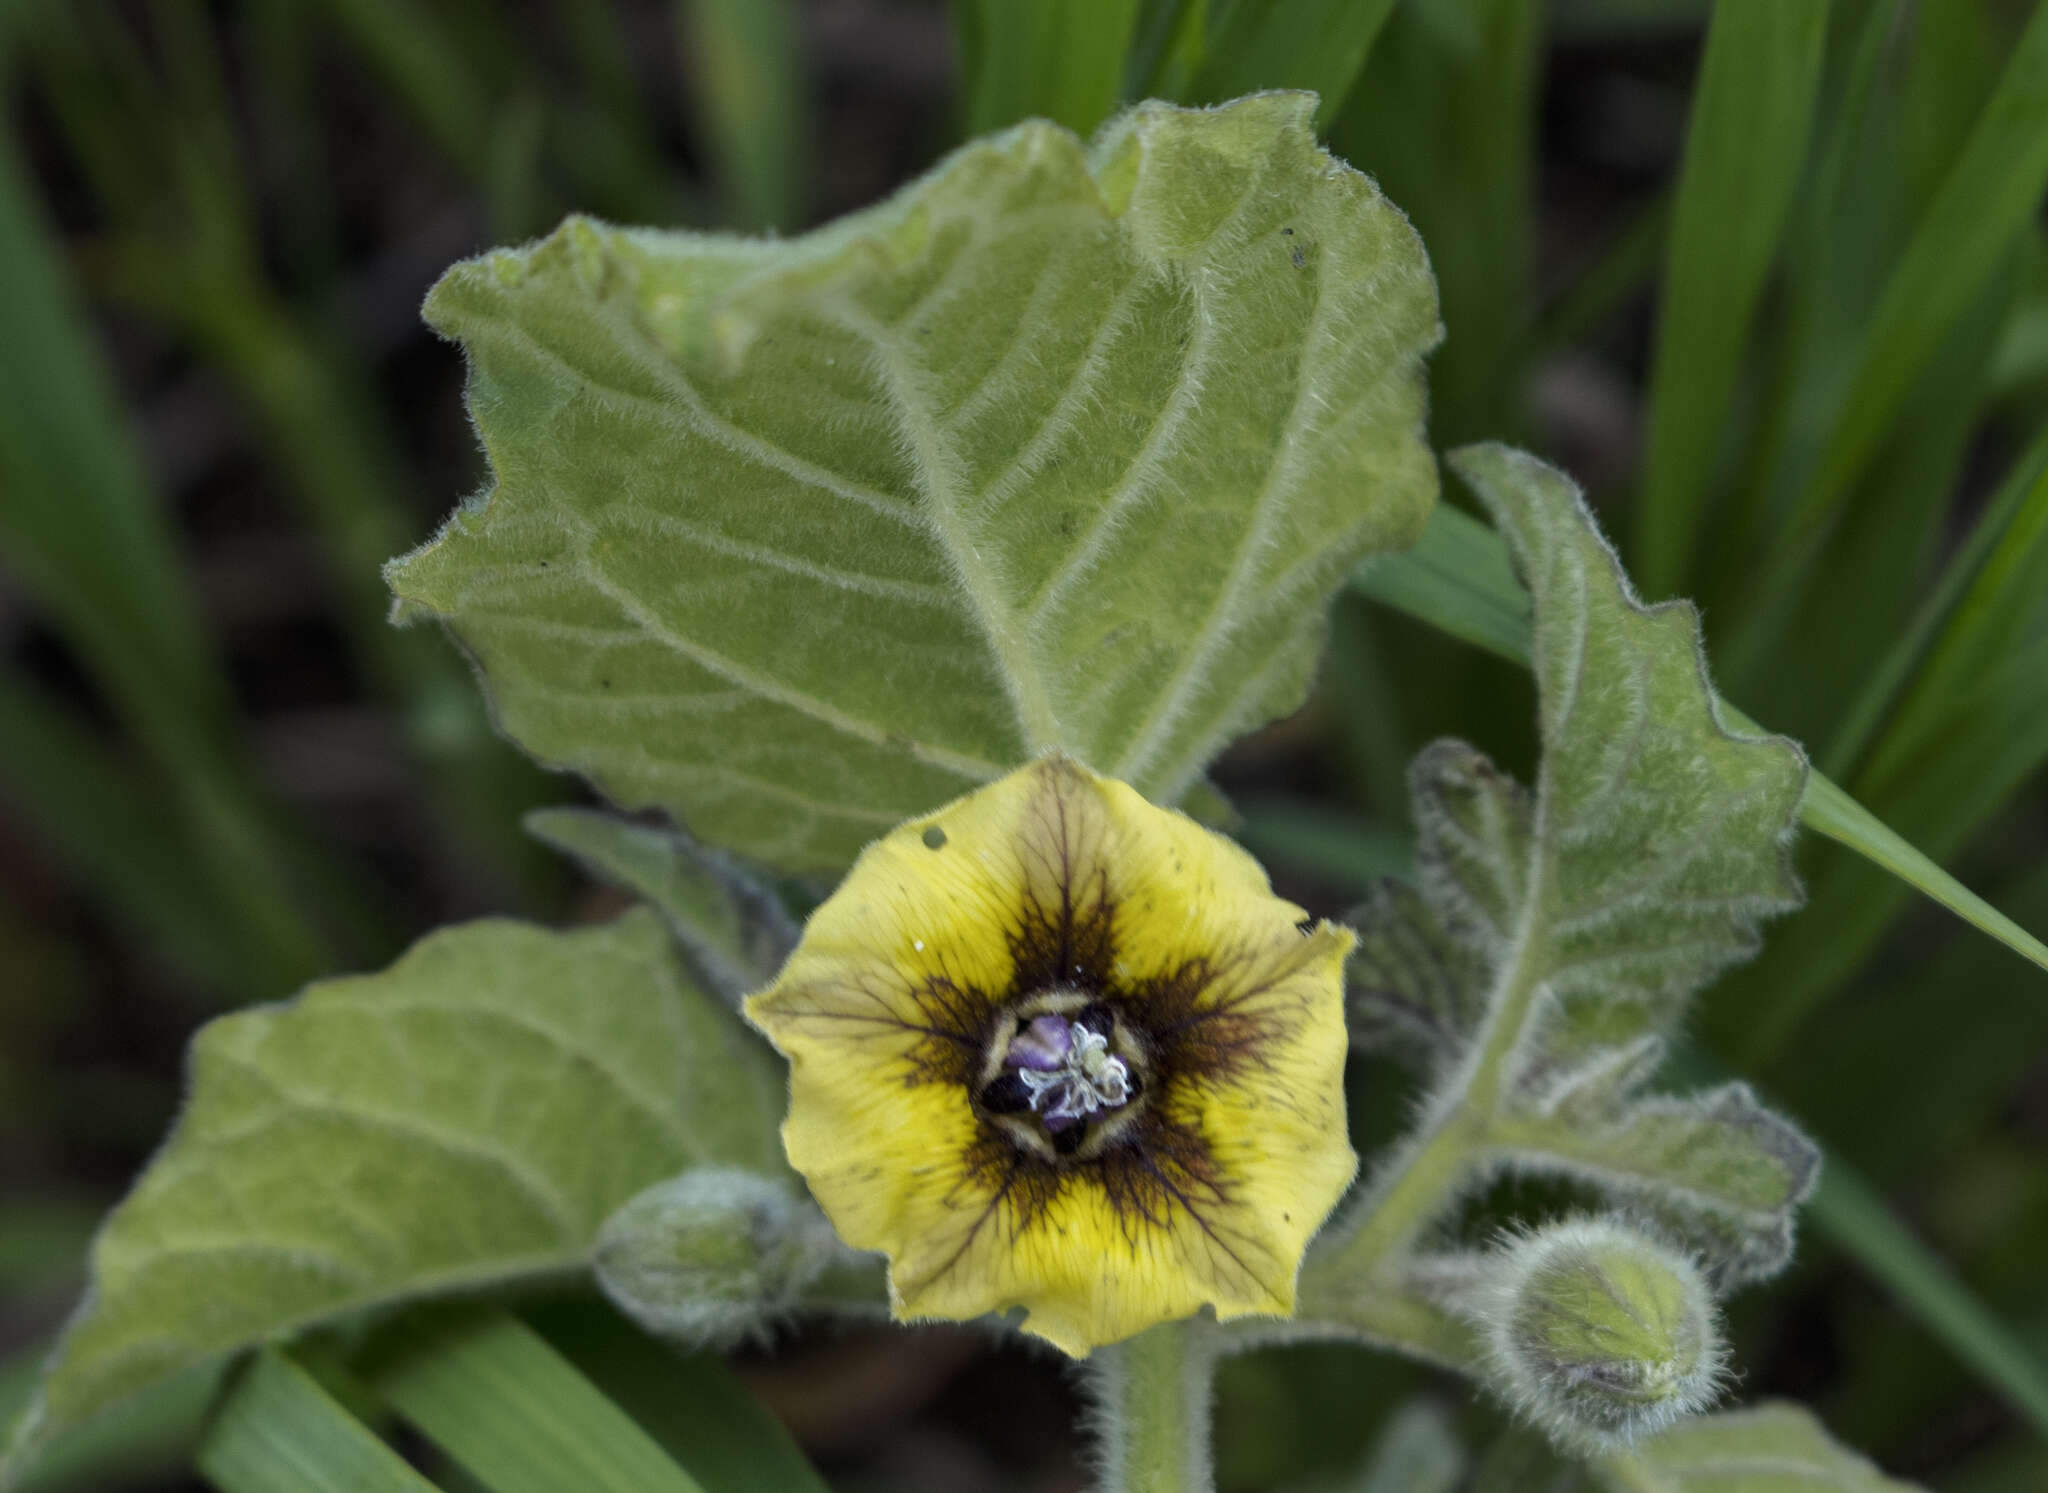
{"x":467,"y":1118}
{"x":1552,"y":940}
{"x":1061,"y":446}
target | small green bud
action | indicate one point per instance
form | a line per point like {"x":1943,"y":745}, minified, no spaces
{"x":714,"y":1256}
{"x":1600,"y":1333}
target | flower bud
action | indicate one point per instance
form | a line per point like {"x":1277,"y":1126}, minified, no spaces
{"x":715,"y":1255}
{"x":1600,"y":1333}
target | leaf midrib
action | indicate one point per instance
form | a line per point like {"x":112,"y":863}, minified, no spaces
{"x":937,"y":473}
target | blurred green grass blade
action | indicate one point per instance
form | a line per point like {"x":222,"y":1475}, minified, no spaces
{"x":1368,"y":719}
{"x":1167,"y":43}
{"x":2008,"y":591}
{"x":278,"y":1431}
{"x":689,"y":1402}
{"x":1835,"y":634}
{"x":80,"y":524}
{"x":753,"y":104}
{"x":1996,"y":567}
{"x":1904,"y":1038}
{"x":1989,"y":196}
{"x":82,"y":529}
{"x":43,"y":1239}
{"x":1832,"y":812}
{"x":1458,"y":578}
{"x":102,"y":818}
{"x":408,"y":46}
{"x":1856,"y":1219}
{"x":1308,"y":837}
{"x":1061,"y":60}
{"x":144,"y":1443}
{"x":1858,"y":1222}
{"x":1989,"y":742}
{"x":1444,"y":119}
{"x":1805,"y":344}
{"x":1598,"y":292}
{"x":189,"y":257}
{"x":1470,"y":600}
{"x":489,"y":1390}
{"x":1751,"y":112}
{"x":1320,"y":45}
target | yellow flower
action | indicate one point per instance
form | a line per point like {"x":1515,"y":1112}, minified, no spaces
{"x":1056,"y":1048}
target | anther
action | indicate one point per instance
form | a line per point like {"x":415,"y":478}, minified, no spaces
{"x":1068,"y":1071}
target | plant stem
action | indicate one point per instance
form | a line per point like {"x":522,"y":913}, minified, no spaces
{"x":1445,"y":1151}
{"x":1151,"y":1411}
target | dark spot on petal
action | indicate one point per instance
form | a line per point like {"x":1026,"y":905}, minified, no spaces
{"x":1006,"y":1095}
{"x":1097,"y":1018}
{"x":1288,"y":231}
{"x":934,"y":837}
{"x":1300,"y":259}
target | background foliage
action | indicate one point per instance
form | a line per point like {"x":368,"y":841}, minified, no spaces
{"x":225,"y":774}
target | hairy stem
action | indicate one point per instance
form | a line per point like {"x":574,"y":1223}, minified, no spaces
{"x":1426,"y":1175}
{"x":1151,"y":1410}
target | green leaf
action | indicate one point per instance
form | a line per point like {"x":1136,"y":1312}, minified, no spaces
{"x":468,"y":1117}
{"x":1409,"y":987}
{"x":1718,"y":1168}
{"x":1057,"y":447}
{"x":1470,"y":600}
{"x":730,"y":927}
{"x":490,"y":1391}
{"x":1751,"y":110}
{"x":1773,"y":1447}
{"x":1558,"y":937}
{"x":278,"y":1431}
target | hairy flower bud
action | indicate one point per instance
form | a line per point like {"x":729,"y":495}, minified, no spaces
{"x":1600,"y":1333}
{"x":715,"y":1255}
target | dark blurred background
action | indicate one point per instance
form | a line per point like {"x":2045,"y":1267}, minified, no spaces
{"x":221,"y":774}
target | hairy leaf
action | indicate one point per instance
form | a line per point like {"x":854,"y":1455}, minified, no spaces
{"x":730,"y":927}
{"x":1556,"y":937}
{"x":1408,"y":985}
{"x":469,"y":1116}
{"x":1718,"y":1168}
{"x":1770,"y":1447}
{"x":1060,"y":446}
{"x":1773,"y":1447}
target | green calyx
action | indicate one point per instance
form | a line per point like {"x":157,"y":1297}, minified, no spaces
{"x":1601,"y":1333}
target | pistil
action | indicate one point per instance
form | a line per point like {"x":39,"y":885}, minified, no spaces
{"x":1068,"y":1071}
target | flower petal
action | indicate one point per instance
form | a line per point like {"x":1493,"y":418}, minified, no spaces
{"x":1047,"y":878}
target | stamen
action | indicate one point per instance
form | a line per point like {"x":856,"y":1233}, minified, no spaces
{"x":1068,"y":1071}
